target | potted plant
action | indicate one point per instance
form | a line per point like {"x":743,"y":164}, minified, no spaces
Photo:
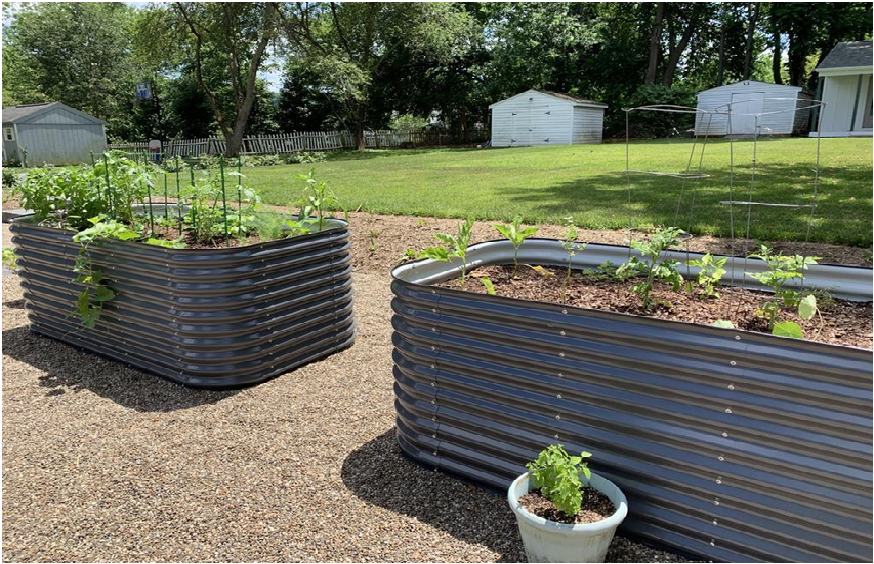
{"x":209,"y":291}
{"x":565,"y":512}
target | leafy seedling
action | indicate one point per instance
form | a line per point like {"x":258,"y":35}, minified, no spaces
{"x":711,"y":270}
{"x":557,"y":474}
{"x":571,"y":247}
{"x":516,"y":234}
{"x":780,"y":270}
{"x":453,"y":246}
{"x":654,"y":269}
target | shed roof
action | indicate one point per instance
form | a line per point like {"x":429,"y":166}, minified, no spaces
{"x":848,"y":54}
{"x":27,"y":112}
{"x":575,"y":100}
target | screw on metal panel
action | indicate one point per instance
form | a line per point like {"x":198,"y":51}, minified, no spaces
{"x":712,"y":543}
{"x":433,"y":348}
{"x":564,"y":312}
{"x":733,"y":363}
{"x":561,"y":354}
{"x":434,"y":436}
{"x":715,"y":522}
{"x":433,"y":384}
{"x":562,"y":333}
{"x":432,"y":402}
{"x":724,"y":434}
{"x":737,"y":337}
{"x":728,"y":410}
{"x":558,"y":417}
{"x":432,"y":366}
{"x":556,"y":437}
{"x":435,"y":453}
{"x":558,"y":396}
{"x":434,"y":329}
{"x":433,"y":311}
{"x":433,"y":291}
{"x":433,"y":418}
{"x":720,"y":458}
{"x":730,"y":386}
{"x":719,"y":479}
{"x":716,"y":501}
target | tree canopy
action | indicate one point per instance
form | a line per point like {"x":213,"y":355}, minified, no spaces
{"x":365,"y":65}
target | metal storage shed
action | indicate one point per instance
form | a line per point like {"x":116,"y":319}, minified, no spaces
{"x":539,"y":117}
{"x":781,"y":109}
{"x":845,"y":87}
{"x":50,"y":133}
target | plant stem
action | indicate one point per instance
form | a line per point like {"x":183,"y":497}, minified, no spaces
{"x":178,"y":197}
{"x":108,"y":184}
{"x":224,"y":200}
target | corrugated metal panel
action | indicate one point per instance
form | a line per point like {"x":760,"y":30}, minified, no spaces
{"x":733,"y":445}
{"x":202,"y":317}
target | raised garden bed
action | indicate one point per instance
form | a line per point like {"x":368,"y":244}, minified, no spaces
{"x":730,"y":444}
{"x":202,"y":317}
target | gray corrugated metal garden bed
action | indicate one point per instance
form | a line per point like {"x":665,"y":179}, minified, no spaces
{"x":202,"y":317}
{"x":730,"y":444}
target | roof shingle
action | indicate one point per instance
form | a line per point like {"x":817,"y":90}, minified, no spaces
{"x":848,"y":54}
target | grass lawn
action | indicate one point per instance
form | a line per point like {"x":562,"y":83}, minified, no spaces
{"x":546,"y":184}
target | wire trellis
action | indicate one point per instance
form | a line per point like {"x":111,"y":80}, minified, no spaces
{"x":694,"y":177}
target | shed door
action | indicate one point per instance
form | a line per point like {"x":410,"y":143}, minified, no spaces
{"x":744,"y":106}
{"x":522,"y":124}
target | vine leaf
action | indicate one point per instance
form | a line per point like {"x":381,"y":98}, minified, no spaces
{"x":788,"y":329}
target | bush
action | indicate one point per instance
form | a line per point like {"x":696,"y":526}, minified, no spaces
{"x":9,"y":179}
{"x":305,"y":157}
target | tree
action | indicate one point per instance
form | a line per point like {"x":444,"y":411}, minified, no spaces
{"x":303,"y":103}
{"x":76,"y":53}
{"x":222,"y":45}
{"x":655,"y":45}
{"x":345,"y":44}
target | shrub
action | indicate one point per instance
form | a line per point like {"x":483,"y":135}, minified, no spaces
{"x":557,"y":474}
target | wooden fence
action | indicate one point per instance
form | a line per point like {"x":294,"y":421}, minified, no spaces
{"x":283,"y":143}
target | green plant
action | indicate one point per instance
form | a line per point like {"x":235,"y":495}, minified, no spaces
{"x":166,"y":243}
{"x":571,"y":247}
{"x":9,"y":259}
{"x":374,"y":234}
{"x":9,"y":178}
{"x":317,"y":197}
{"x":95,"y":292}
{"x":488,"y":285}
{"x":557,"y":474}
{"x":456,"y":247}
{"x":655,"y":268}
{"x":304,"y":157}
{"x":516,"y":235}
{"x":711,"y":271}
{"x":781,"y":269}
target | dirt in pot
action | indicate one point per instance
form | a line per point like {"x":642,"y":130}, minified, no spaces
{"x":842,"y":322}
{"x":595,"y":507}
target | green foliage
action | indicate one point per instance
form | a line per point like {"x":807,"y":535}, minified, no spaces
{"x":557,"y":474}
{"x":95,"y":292}
{"x":654,"y":269}
{"x":711,"y":272}
{"x":9,"y":178}
{"x":317,"y":198}
{"x":453,"y":246}
{"x":781,"y":269}
{"x":488,"y":285}
{"x":408,"y":122}
{"x":571,"y":247}
{"x":166,"y":243}
{"x":9,"y":259}
{"x":723,"y":323}
{"x":516,"y":234}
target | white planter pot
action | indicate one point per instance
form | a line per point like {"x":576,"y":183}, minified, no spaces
{"x":548,"y":541}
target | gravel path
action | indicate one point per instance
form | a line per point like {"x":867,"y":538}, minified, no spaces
{"x":102,"y":462}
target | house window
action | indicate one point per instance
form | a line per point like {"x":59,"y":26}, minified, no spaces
{"x":8,"y":135}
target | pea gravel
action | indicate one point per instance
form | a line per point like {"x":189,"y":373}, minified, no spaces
{"x":102,"y":462}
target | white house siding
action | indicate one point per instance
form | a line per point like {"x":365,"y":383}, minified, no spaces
{"x":60,"y":137}
{"x":588,"y":125}
{"x":839,"y":95}
{"x":531,"y":118}
{"x":777,"y":117}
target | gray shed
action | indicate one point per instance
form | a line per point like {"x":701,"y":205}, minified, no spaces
{"x":51,"y":133}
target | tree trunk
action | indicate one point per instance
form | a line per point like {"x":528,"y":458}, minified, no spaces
{"x":777,"y":65}
{"x":676,"y":51}
{"x":797,"y":62}
{"x":655,"y":45}
{"x":360,"y":141}
{"x":751,"y":32}
{"x":720,"y":68}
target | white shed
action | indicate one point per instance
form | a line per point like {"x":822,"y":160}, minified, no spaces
{"x":51,"y":133}
{"x":538,"y":117}
{"x":781,"y":109}
{"x":845,"y":87}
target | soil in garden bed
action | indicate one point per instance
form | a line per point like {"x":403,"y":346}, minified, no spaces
{"x":595,"y":507}
{"x":843,"y":322}
{"x":169,"y":233}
